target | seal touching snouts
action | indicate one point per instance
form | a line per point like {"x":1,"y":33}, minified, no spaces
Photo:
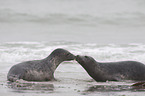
{"x":112,"y":71}
{"x":39,"y":70}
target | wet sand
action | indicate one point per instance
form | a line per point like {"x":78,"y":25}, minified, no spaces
{"x":72,"y":80}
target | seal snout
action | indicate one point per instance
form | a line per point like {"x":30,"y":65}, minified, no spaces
{"x":79,"y":58}
{"x":71,"y":56}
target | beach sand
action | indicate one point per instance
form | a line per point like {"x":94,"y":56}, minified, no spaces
{"x":72,"y":80}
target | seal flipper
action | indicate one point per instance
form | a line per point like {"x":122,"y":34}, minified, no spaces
{"x":13,"y":78}
{"x":141,"y":83}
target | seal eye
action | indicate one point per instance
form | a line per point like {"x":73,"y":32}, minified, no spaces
{"x":68,"y":54}
{"x":86,"y":56}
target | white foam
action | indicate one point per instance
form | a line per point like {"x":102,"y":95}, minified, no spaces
{"x":18,"y":51}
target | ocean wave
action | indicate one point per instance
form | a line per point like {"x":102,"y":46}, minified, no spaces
{"x":18,"y":52}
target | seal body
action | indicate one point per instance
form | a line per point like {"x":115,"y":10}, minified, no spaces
{"x":112,"y":71}
{"x":39,"y":70}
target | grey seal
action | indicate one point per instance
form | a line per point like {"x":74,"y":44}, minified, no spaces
{"x":39,"y":70}
{"x":112,"y":71}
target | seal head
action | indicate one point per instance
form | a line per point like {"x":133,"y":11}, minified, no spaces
{"x":91,"y":66}
{"x":61,"y":55}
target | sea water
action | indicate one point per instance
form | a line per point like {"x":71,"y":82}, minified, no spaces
{"x":98,"y":21}
{"x":109,"y":31}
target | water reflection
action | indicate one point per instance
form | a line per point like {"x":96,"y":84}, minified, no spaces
{"x":22,"y":87}
{"x":113,"y":88}
{"x":139,"y":85}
